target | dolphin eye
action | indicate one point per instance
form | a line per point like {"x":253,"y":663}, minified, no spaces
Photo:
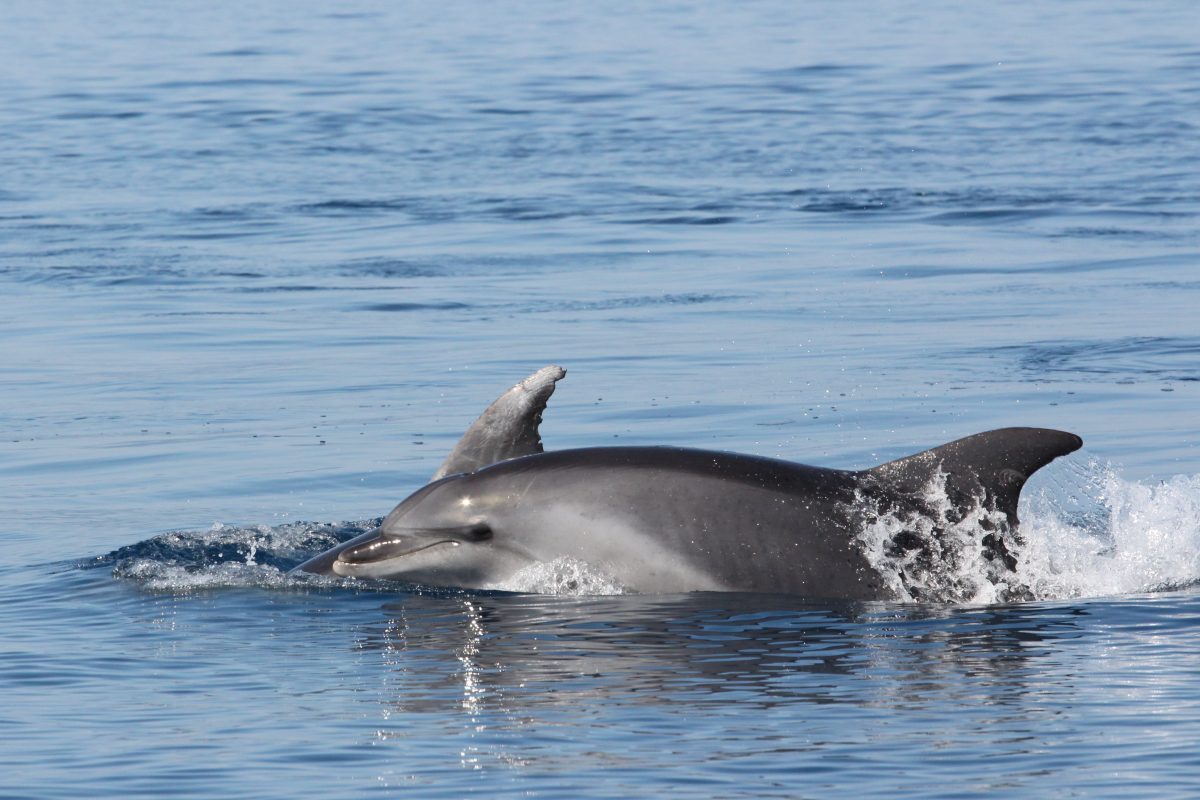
{"x":479,"y":532}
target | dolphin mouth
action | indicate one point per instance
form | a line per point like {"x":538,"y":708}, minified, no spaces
{"x":387,"y":553}
{"x":385,"y":548}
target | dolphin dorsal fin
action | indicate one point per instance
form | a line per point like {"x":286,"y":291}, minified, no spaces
{"x":508,"y":428}
{"x":994,"y":464}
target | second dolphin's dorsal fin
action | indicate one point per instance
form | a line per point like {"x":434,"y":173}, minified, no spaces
{"x":993,"y":465}
{"x":508,"y":428}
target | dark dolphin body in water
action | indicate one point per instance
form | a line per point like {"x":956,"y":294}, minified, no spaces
{"x":667,"y":519}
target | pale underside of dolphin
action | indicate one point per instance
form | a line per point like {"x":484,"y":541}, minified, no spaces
{"x":667,"y":519}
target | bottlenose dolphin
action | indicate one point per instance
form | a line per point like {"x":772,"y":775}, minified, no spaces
{"x":670,"y":519}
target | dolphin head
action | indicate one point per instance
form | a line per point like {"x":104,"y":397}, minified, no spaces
{"x":440,"y":536}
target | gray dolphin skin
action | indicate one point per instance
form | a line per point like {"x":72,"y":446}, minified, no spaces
{"x":668,"y":519}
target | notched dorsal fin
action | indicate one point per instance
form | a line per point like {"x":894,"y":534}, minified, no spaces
{"x":995,"y":464}
{"x":508,"y":428}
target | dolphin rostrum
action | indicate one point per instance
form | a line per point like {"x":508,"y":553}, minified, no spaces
{"x":669,"y":519}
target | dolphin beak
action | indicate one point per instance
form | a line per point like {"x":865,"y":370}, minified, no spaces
{"x":386,"y":547}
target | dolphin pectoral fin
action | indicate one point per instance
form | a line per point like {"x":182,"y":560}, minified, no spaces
{"x":508,"y":428}
{"x":995,"y":463}
{"x":404,"y":541}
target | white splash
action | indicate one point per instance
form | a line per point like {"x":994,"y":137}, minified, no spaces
{"x":158,"y":576}
{"x":224,"y":556}
{"x":1111,"y":536}
{"x":563,"y":576}
{"x":1086,"y":533}
{"x":947,"y":561}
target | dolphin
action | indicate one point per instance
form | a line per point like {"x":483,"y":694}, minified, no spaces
{"x":671,"y":519}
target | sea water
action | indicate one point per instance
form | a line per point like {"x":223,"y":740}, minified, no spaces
{"x":262,"y":263}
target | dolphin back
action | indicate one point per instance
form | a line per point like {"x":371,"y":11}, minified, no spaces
{"x":508,"y":428}
{"x":992,"y":466}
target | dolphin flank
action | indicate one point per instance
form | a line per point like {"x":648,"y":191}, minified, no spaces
{"x":668,"y":519}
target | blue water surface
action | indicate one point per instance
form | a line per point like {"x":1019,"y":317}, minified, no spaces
{"x":262,"y":263}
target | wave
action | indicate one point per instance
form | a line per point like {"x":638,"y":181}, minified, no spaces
{"x":224,"y":556}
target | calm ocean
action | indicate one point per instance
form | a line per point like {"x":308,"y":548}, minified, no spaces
{"x":263,"y":262}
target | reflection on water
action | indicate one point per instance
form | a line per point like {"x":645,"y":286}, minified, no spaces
{"x":533,"y":650}
{"x":790,"y":693}
{"x":705,"y":695}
